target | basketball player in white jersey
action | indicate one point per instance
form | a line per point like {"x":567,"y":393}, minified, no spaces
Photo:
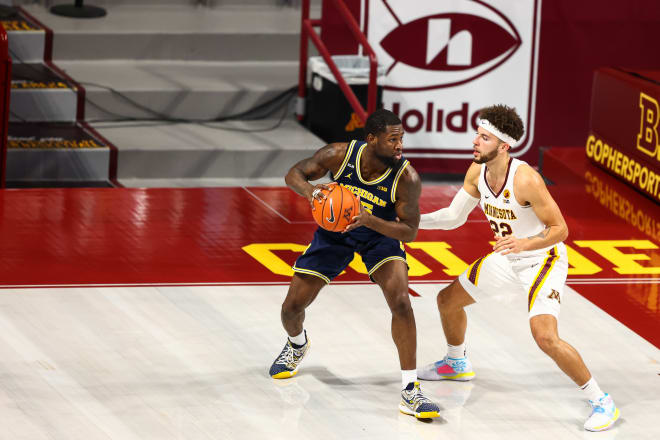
{"x":528,"y":258}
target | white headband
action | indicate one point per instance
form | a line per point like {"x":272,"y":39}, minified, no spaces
{"x":485,"y":123}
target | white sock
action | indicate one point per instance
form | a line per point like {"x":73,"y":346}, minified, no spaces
{"x":299,"y":339}
{"x":592,"y":390}
{"x":456,"y":351}
{"x":408,"y":376}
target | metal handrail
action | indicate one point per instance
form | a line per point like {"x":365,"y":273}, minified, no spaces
{"x":307,"y":31}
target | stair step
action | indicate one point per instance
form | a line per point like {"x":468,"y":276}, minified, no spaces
{"x":53,"y":105}
{"x":109,"y":4}
{"x":26,"y":40}
{"x":55,"y":152}
{"x":228,"y":33}
{"x":177,"y":89}
{"x":39,"y":94}
{"x":193,"y":151}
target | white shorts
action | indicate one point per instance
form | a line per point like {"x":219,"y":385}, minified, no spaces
{"x":539,"y":278}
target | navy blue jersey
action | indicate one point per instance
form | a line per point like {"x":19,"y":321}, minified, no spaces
{"x":330,"y":252}
{"x":377,"y":196}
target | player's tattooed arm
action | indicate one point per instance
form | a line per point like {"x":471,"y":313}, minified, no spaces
{"x":326,"y":159}
{"x":407,"y":210}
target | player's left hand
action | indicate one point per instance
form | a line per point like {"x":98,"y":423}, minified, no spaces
{"x":362,"y":219}
{"x":509,"y":244}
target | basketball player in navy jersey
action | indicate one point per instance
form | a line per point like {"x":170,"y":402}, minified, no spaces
{"x":529,"y":257}
{"x":389,"y":190}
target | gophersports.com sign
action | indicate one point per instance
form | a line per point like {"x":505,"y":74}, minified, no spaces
{"x":445,"y":60}
{"x":624,"y":125}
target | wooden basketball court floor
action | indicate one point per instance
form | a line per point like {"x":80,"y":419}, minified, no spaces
{"x":154,"y":314}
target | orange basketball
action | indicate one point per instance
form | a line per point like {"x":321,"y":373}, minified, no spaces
{"x":337,"y":210}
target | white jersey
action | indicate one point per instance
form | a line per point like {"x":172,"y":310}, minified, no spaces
{"x":505,"y":215}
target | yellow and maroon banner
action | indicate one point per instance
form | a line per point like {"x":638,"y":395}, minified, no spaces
{"x":623,"y":138}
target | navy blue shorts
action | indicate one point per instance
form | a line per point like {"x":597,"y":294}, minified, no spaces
{"x":330,"y":253}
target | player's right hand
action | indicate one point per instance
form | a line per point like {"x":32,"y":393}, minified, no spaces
{"x":361,"y":219}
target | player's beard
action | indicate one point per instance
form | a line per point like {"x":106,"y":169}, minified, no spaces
{"x":389,"y":161}
{"x":483,"y":157}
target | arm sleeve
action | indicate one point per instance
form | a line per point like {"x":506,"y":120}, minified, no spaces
{"x":451,"y":217}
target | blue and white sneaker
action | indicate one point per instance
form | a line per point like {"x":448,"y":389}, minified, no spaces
{"x":603,"y":415}
{"x":447,"y":369}
{"x":414,"y":403}
{"x":286,"y":364}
